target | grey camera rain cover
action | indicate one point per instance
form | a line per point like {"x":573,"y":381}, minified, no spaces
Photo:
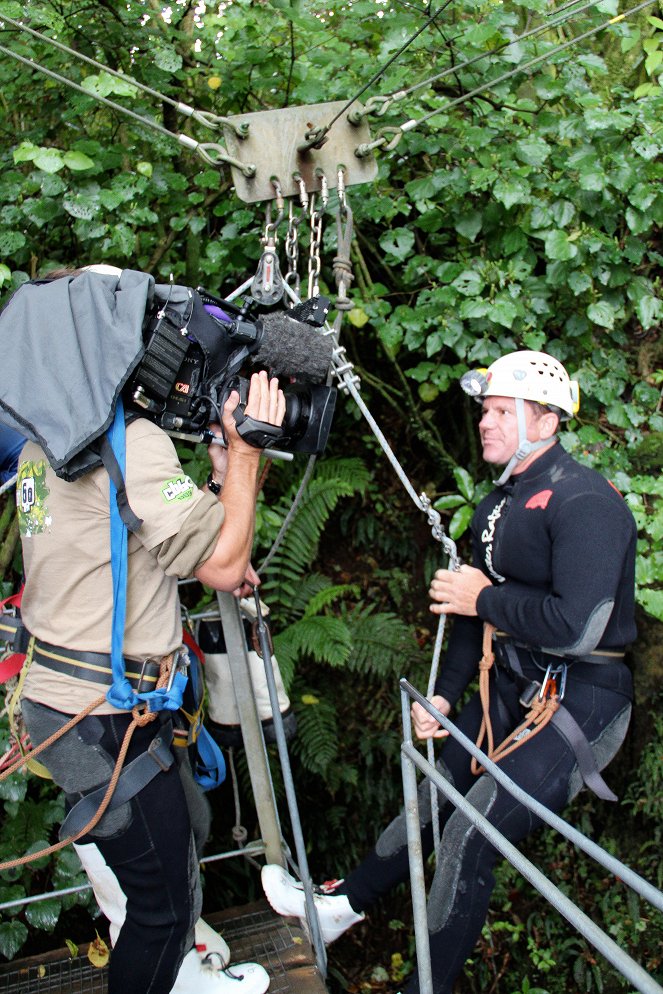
{"x":68,"y":347}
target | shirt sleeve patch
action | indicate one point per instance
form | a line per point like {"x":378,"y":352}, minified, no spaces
{"x":539,"y":500}
{"x":31,"y":499}
{"x":179,"y":488}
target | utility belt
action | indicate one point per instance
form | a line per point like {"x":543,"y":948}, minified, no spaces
{"x":555,"y":668}
{"x":542,"y":699}
{"x":96,"y":666}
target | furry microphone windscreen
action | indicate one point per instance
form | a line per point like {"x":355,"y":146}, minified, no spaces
{"x":293,"y":348}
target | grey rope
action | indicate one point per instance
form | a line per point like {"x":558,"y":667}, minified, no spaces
{"x":287,"y":521}
{"x":208,"y":151}
{"x":206,"y":118}
{"x":239,"y":832}
{"x":388,"y":138}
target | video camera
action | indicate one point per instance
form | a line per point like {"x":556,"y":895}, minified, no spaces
{"x":196,"y":347}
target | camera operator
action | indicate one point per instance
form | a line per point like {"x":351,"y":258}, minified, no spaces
{"x":140,"y":858}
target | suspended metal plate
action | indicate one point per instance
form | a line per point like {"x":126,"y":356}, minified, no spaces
{"x":272,"y":146}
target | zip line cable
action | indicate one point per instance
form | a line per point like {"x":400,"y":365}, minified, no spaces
{"x":206,"y":118}
{"x":383,"y":139}
{"x":314,"y":137}
{"x":211,"y":152}
{"x":387,"y":138}
{"x":379,"y":105}
{"x":558,"y":10}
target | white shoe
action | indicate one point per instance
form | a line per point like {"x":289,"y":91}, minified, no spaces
{"x":208,"y":941}
{"x":202,"y":974}
{"x":286,"y":896}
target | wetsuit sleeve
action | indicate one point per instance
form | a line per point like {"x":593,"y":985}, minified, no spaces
{"x":590,"y":541}
{"x":460,"y":663}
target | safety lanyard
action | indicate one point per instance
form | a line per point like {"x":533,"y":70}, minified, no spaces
{"x":121,"y":694}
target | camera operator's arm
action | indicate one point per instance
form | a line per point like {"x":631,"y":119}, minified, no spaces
{"x":226,"y":567}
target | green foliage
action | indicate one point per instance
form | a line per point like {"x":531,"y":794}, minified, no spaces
{"x":527,"y":217}
{"x":33,"y":809}
{"x":516,"y":934}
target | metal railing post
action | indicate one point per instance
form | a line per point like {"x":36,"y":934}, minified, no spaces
{"x":254,"y":743}
{"x":415,"y":854}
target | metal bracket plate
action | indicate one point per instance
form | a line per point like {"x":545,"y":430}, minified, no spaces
{"x":272,"y":146}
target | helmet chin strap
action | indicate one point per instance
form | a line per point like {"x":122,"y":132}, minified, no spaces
{"x":525,"y":447}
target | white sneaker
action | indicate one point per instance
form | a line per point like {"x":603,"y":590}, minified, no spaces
{"x":202,"y":974}
{"x":286,"y":896}
{"x":208,"y":941}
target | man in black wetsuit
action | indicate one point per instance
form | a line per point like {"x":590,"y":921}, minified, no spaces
{"x":553,"y":572}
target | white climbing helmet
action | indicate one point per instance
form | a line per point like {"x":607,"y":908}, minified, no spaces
{"x":534,"y":376}
{"x":103,"y":269}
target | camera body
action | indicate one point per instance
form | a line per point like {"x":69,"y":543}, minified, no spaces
{"x":197,"y":346}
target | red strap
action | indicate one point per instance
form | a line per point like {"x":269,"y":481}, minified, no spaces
{"x":14,"y":600}
{"x":10,"y":666}
{"x":191,"y":643}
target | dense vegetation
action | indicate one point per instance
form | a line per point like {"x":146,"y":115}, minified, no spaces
{"x":528,"y":216}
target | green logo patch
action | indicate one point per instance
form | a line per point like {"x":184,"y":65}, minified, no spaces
{"x":179,"y":488}
{"x":31,"y":495}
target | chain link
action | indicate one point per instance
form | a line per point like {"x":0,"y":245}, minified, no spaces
{"x":292,"y":251}
{"x":314,"y":261}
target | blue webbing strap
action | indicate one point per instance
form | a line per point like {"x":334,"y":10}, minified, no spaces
{"x":209,"y":768}
{"x":121,"y":694}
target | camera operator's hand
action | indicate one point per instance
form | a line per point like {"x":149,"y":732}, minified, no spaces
{"x":218,"y":456}
{"x":226,"y":568}
{"x":266,"y":403}
{"x":251,"y":580}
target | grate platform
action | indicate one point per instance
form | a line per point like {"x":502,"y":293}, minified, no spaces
{"x":253,"y":932}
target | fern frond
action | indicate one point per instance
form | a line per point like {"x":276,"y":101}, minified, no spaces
{"x":328,"y":596}
{"x":325,"y":639}
{"x":316,"y":742}
{"x":334,"y":479}
{"x":349,"y":468}
{"x":382,"y":643}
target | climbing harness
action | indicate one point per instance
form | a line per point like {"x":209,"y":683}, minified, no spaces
{"x":157,"y":758}
{"x":543,"y":703}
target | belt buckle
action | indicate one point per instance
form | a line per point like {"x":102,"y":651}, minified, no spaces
{"x":149,"y":685}
{"x":152,"y":749}
{"x":529,"y":694}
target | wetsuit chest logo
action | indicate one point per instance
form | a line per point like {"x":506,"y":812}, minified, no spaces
{"x":539,"y":500}
{"x":488,"y":538}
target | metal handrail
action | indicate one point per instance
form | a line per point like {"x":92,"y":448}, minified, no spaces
{"x":411,"y":758}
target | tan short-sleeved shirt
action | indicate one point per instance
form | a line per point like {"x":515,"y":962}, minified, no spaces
{"x":65,"y":532}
